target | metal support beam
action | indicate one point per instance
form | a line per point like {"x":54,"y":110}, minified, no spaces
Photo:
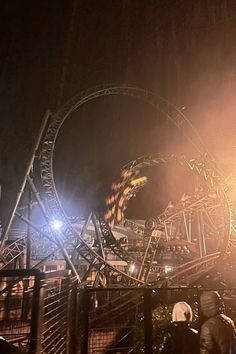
{"x":186,"y":227}
{"x":99,"y":239}
{"x":28,"y":237}
{"x":203,"y":234}
{"x":199,"y":234}
{"x":101,"y":249}
{"x":23,"y":183}
{"x":37,"y":314}
{"x":190,"y":225}
{"x":140,"y":273}
{"x":27,"y":271}
{"x":55,"y":240}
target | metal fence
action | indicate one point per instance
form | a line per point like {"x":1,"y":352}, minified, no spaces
{"x":58,"y":318}
{"x":38,"y":311}
{"x":19,"y":306}
{"x":132,"y":320}
{"x":47,"y":313}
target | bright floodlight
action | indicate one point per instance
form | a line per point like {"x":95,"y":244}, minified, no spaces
{"x":56,"y":224}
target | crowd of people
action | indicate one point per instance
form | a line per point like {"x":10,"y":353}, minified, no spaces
{"x":216,"y":335}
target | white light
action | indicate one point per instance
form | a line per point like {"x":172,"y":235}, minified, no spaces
{"x":132,"y":268}
{"x":56,"y":224}
{"x":168,"y":268}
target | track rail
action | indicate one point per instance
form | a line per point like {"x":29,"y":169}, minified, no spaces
{"x":187,"y":273}
{"x":184,"y":275}
{"x":201,"y":167}
{"x":12,"y":252}
{"x":171,"y":113}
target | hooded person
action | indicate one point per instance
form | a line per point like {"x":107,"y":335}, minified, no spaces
{"x":218,"y":330}
{"x":179,"y":337}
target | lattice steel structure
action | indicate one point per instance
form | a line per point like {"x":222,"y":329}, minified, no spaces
{"x":71,"y":241}
{"x":206,"y":212}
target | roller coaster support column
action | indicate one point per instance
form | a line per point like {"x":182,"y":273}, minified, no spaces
{"x":28,"y":239}
{"x":25,"y":302}
{"x":101,"y":249}
{"x":55,"y":240}
{"x":23,"y":183}
{"x":55,"y":237}
{"x":140,"y":274}
{"x":37,"y":313}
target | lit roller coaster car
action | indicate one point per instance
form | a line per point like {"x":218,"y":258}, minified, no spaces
{"x":117,"y":202}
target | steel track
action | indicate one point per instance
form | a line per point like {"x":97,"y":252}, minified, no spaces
{"x":199,"y":166}
{"x":171,"y":113}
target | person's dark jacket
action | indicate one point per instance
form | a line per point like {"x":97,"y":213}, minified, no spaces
{"x":179,"y":338}
{"x":7,"y":348}
{"x":218,"y":330}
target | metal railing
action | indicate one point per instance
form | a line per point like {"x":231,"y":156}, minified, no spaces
{"x":49,"y":313}
{"x":38,"y":311}
{"x":19,"y":307}
{"x":132,"y":320}
{"x":58,"y":315}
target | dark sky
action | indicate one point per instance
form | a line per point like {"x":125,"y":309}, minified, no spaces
{"x":183,"y":50}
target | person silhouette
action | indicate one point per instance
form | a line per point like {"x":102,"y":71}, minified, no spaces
{"x":218,"y":330}
{"x":7,"y":348}
{"x":179,"y":337}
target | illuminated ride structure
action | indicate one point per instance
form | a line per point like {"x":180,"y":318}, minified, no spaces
{"x":193,"y":233}
{"x":194,"y":228}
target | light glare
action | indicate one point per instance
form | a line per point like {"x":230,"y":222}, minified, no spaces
{"x":132,"y":268}
{"x":168,"y":268}
{"x":56,"y":224}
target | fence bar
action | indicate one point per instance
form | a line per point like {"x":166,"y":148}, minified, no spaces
{"x":36,"y":320}
{"x":85,"y":321}
{"x":8,"y":224}
{"x":72,"y":327}
{"x":147,"y":312}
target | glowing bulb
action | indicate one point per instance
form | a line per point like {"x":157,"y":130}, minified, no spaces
{"x":168,"y":268}
{"x":56,"y":224}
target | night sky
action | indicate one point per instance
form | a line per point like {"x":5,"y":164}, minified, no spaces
{"x":184,"y":51}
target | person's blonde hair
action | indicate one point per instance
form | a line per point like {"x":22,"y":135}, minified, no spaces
{"x":182,"y":312}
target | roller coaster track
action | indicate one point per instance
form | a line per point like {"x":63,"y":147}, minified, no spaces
{"x":47,"y":147}
{"x":214,"y":197}
{"x":184,"y":275}
{"x":104,"y":267}
{"x":187,"y":273}
{"x":12,"y":252}
{"x":74,"y":241}
{"x":200,"y":166}
{"x":70,"y":238}
{"x":134,"y":226}
{"x":17,"y":248}
{"x":194,"y":203}
{"x":95,"y":259}
{"x":176,"y":116}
